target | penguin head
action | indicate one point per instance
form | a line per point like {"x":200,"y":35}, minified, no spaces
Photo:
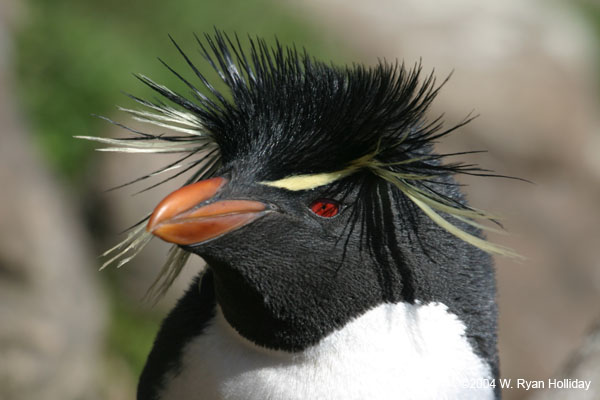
{"x":315,"y":193}
{"x":285,"y":267}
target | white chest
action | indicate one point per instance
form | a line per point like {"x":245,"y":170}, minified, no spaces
{"x":394,"y":351}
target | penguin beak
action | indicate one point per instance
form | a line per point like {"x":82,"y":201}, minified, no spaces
{"x":188,"y":216}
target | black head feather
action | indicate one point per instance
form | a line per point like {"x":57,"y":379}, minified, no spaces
{"x":301,"y":116}
{"x":287,"y":114}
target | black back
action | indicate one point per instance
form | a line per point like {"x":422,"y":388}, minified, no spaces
{"x":186,"y":321}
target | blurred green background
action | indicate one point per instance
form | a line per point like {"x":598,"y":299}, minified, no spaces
{"x":76,"y":57}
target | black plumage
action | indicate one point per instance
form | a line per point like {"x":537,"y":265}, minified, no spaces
{"x":400,"y":230}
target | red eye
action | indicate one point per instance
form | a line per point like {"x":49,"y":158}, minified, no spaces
{"x":325,"y":208}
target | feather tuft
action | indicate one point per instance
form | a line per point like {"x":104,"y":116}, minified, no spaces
{"x":310,"y":124}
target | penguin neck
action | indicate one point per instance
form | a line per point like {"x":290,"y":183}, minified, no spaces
{"x":419,"y":350}
{"x":290,"y":316}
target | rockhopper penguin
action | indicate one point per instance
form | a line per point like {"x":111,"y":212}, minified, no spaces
{"x":343,"y":261}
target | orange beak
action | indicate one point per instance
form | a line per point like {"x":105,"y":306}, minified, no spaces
{"x":178,"y":219}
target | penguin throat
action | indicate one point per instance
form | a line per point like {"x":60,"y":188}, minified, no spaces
{"x":290,"y":317}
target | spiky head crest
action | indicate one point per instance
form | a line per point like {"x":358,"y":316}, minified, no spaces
{"x":304,"y":121}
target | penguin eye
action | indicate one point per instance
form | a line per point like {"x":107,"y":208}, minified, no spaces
{"x":325,"y":208}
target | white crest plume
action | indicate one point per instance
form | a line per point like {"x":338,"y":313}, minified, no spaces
{"x":199,"y":152}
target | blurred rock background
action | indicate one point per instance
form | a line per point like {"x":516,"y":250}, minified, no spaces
{"x":529,"y":68}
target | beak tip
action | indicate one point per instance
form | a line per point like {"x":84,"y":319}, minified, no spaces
{"x":154,"y":220}
{"x":151,"y":225}
{"x":183,"y":199}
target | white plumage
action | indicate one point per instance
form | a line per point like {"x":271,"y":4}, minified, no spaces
{"x":393,"y":351}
